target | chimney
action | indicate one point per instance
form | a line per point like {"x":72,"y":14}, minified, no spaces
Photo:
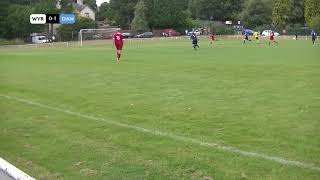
{"x":80,"y":2}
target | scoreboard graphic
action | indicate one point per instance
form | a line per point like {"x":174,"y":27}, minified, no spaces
{"x":52,"y":18}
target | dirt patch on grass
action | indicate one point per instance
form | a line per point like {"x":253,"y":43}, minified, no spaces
{"x":243,"y":176}
{"x":78,"y":164}
{"x":207,"y":178}
{"x":36,"y":171}
{"x":88,"y":172}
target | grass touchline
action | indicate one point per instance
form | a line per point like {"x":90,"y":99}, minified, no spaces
{"x":279,"y":160}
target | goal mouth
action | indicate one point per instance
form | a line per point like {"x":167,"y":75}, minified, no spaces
{"x":95,"y":34}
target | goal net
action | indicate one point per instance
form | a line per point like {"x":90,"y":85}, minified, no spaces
{"x":92,"y":36}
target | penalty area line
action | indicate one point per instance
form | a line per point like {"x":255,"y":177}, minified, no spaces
{"x":171,"y":136}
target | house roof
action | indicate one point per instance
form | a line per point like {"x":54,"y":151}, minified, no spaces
{"x":78,"y":7}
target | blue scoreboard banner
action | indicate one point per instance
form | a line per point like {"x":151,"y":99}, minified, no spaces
{"x":67,"y":19}
{"x":52,"y":18}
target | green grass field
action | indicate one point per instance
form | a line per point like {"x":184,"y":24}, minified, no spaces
{"x":73,"y":113}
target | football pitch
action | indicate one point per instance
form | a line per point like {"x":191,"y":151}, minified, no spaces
{"x":226,"y":111}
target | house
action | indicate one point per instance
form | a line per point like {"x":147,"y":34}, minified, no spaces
{"x":83,"y":10}
{"x":78,"y":8}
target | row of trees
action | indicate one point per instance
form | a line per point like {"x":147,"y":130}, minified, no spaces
{"x":15,"y":23}
{"x":157,"y":14}
{"x":180,"y":13}
{"x":144,"y":14}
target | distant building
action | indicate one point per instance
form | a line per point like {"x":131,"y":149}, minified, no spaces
{"x":79,"y":8}
{"x":83,"y":10}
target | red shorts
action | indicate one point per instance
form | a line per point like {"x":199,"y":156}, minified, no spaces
{"x":119,"y":46}
{"x":271,"y":38}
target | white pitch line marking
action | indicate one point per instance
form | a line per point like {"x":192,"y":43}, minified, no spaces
{"x":231,"y":149}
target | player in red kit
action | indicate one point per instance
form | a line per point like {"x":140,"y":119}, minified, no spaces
{"x":118,"y":43}
{"x":272,"y":38}
{"x":211,"y":38}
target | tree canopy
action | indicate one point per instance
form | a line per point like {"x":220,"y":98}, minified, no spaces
{"x":216,"y":9}
{"x":280,"y":13}
{"x":139,"y":22}
{"x":166,"y":13}
{"x":296,"y":15}
{"x":312,"y":13}
{"x":122,"y":12}
{"x":102,"y":14}
{"x":256,"y":13}
{"x":157,"y":14}
{"x":17,"y":23}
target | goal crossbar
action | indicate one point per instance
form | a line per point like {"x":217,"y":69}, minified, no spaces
{"x":94,"y":30}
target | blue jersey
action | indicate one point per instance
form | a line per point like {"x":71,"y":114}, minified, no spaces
{"x":194,"y":39}
{"x":313,"y":34}
{"x":246,"y":36}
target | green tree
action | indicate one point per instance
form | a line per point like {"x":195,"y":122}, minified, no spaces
{"x":3,"y":16}
{"x":215,"y":9}
{"x":280,"y":13}
{"x":312,"y":10}
{"x":139,"y":22}
{"x":45,"y":7}
{"x":167,"y":13}
{"x":315,"y":23}
{"x":23,"y":2}
{"x":159,"y":13}
{"x":256,"y":13}
{"x":17,"y":23}
{"x":122,"y":12}
{"x":297,"y":12}
{"x":102,"y":14}
{"x":66,"y":6}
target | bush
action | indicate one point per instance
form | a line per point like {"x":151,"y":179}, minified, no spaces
{"x":220,"y":29}
{"x":11,"y":42}
{"x":297,"y":29}
{"x":189,"y":24}
{"x":214,"y":26}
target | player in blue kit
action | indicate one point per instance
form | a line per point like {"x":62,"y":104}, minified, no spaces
{"x":194,"y":39}
{"x":313,"y":37}
{"x":246,"y":37}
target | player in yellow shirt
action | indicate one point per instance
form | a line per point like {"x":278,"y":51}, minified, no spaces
{"x":256,"y":36}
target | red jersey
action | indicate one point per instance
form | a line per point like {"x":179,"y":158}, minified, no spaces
{"x":212,"y":37}
{"x":271,"y":35}
{"x":118,"y":38}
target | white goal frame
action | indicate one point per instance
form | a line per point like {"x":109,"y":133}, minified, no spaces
{"x":81,"y":31}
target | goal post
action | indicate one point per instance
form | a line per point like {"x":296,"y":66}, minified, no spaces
{"x":95,"y":34}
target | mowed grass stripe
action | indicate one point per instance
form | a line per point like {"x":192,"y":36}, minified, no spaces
{"x":279,"y":160}
{"x":262,"y":99}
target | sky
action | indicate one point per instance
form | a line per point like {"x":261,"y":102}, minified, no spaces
{"x":99,"y":2}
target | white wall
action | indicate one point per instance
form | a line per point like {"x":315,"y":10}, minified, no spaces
{"x":92,"y":14}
